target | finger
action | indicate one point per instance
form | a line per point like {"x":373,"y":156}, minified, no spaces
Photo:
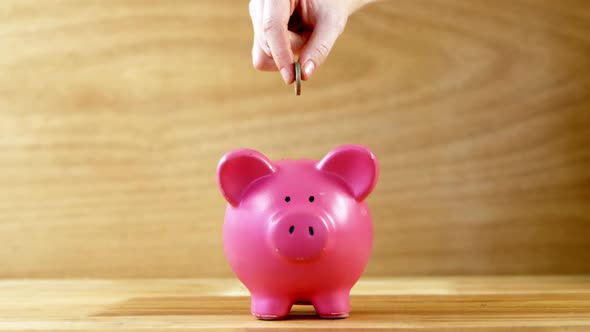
{"x":256,"y":7}
{"x":275,"y":18}
{"x":263,"y":62}
{"x":320,"y":44}
{"x":297,"y":41}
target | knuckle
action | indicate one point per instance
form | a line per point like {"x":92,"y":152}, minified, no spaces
{"x":322,"y":51}
{"x":337,"y":22}
{"x":251,"y":7}
{"x":261,"y":62}
{"x":257,"y":63}
{"x":339,"y":25}
{"x":257,"y":60}
{"x":270,"y":24}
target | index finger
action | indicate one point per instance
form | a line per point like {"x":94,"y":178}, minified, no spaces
{"x":274,"y":24}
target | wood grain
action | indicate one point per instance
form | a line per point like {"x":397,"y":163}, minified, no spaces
{"x":402,"y":304}
{"x":113,"y":115}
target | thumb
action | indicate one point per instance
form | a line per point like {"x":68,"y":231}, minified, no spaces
{"x":320,"y":44}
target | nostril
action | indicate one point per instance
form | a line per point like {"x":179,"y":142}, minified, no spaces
{"x":310,"y":230}
{"x":291,"y":229}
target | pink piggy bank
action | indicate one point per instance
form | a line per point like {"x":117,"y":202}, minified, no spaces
{"x":298,"y":231}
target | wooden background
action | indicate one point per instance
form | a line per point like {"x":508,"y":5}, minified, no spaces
{"x":113,"y":115}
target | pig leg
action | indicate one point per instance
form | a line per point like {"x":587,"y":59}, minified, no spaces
{"x":333,"y":305}
{"x":270,"y":307}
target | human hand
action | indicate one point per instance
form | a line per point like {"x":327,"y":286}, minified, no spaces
{"x":285,"y":28}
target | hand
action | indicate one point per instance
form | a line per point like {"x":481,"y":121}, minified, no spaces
{"x":284,"y":28}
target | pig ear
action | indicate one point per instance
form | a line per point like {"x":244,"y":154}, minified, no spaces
{"x":238,"y":169}
{"x":354,"y":164}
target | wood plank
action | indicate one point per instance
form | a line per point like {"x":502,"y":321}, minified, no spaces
{"x":527,"y":303}
{"x":113,"y":115}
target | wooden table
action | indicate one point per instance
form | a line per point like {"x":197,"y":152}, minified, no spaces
{"x":434,"y":304}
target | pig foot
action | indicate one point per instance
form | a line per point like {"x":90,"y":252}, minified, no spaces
{"x":333,"y":305}
{"x":270,"y":308}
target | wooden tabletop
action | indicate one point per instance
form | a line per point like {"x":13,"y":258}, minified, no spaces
{"x":434,"y":304}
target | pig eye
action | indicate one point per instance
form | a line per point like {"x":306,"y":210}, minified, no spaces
{"x":287,"y":199}
{"x":311,"y":199}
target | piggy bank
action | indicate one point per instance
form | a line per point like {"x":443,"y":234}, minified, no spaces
{"x":298,"y":231}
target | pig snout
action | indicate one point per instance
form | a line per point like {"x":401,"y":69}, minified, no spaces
{"x":299,"y":236}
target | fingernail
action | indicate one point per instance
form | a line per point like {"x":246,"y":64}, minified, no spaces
{"x":286,"y":75}
{"x":308,"y":68}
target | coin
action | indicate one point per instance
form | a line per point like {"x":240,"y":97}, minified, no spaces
{"x":297,"y":78}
